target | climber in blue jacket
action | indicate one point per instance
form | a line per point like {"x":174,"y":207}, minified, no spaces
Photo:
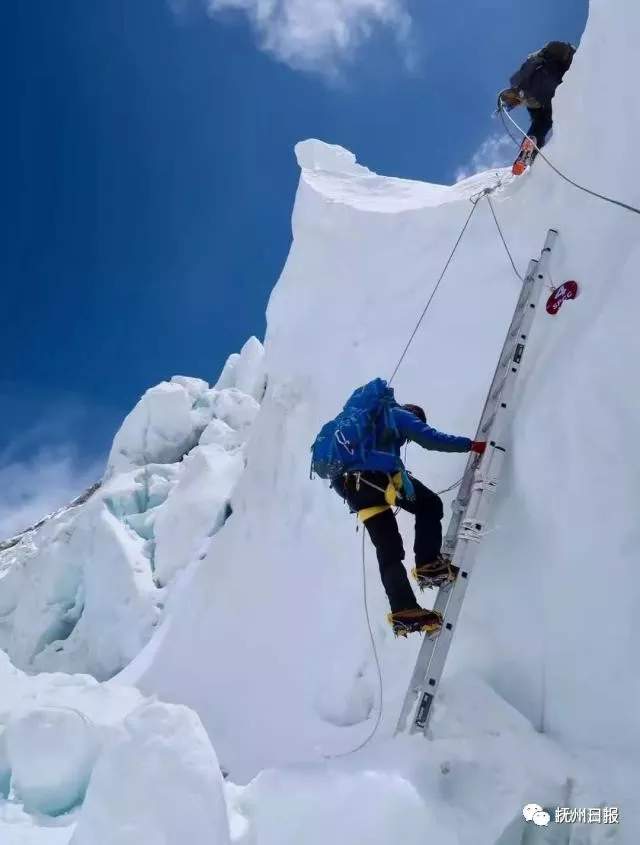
{"x":380,"y":483}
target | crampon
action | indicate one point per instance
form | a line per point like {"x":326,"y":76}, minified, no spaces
{"x":436,"y":574}
{"x":413,"y":621}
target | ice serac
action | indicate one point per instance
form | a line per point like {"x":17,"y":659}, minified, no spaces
{"x":550,"y":620}
{"x":84,"y":590}
{"x":51,"y":752}
{"x":176,"y":795}
{"x":245,"y":371}
{"x":164,"y":425}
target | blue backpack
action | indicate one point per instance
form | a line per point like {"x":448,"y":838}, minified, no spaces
{"x":347,"y":440}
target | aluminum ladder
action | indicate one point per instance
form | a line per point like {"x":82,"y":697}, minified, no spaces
{"x":471,"y":506}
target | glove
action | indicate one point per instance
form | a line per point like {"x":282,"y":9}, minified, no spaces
{"x":509,"y":98}
{"x":478,"y":447}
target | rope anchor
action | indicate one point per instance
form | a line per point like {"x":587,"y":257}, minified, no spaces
{"x":485,"y":192}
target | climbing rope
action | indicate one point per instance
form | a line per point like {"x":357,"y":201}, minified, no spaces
{"x":374,"y":648}
{"x":433,"y":292}
{"x":376,"y":726}
{"x":372,"y":638}
{"x":450,"y":487}
{"x":551,"y":285}
{"x":502,"y":238}
{"x":619,"y":203}
{"x":365,"y":598}
{"x":502,"y":112}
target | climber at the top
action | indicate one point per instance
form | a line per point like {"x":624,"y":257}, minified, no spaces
{"x":534,"y":86}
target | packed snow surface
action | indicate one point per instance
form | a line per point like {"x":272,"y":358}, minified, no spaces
{"x":154,"y":777}
{"x":267,"y":638}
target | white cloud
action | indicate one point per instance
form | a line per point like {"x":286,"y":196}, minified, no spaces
{"x":32,"y":488}
{"x":497,"y":151}
{"x":318,"y":34}
{"x":49,"y":454}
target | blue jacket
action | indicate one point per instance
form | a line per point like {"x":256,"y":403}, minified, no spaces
{"x":406,"y":426}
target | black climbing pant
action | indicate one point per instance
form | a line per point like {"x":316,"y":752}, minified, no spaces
{"x":385,"y":535}
{"x":541,"y":124}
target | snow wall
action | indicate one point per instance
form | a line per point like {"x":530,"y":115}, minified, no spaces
{"x":271,"y":645}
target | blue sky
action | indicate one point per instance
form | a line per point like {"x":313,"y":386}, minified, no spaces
{"x":149,"y":175}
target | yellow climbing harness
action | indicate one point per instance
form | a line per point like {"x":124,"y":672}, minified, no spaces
{"x":367,"y":513}
{"x":390,"y":496}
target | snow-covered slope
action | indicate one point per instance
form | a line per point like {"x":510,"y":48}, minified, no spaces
{"x":550,"y":623}
{"x":268,"y":638}
{"x":84,"y":590}
{"x":83,"y":762}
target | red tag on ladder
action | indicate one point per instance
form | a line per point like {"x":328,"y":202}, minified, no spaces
{"x":567,"y":290}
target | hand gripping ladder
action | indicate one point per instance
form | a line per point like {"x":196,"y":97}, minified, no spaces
{"x":470,"y":509}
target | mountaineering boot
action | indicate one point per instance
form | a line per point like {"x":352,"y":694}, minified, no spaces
{"x":525,"y":156}
{"x":415,"y":620}
{"x":435,"y":574}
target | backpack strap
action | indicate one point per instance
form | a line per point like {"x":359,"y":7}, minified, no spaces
{"x":407,"y":486}
{"x":388,"y":419}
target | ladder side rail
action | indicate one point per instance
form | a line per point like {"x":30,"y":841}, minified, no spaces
{"x":523,"y":316}
{"x":486,"y":481}
{"x":490,"y":404}
{"x":449,"y":598}
{"x":465,"y":558}
{"x":459,"y":505}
